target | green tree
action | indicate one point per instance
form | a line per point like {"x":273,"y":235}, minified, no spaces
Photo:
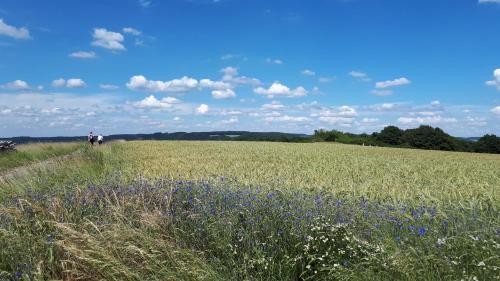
{"x":488,"y":144}
{"x":391,"y":135}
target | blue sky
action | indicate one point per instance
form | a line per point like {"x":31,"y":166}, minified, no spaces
{"x":67,"y":67}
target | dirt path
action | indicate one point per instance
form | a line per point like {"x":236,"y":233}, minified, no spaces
{"x":25,"y":170}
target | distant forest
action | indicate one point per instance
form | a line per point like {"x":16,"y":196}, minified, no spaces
{"x":423,"y":137}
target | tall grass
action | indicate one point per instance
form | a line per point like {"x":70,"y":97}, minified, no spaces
{"x":188,"y":230}
{"x":31,"y":153}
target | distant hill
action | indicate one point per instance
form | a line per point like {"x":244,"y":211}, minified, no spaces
{"x":471,"y":139}
{"x":216,"y":135}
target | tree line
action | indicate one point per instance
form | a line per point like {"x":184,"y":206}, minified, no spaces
{"x":423,"y":137}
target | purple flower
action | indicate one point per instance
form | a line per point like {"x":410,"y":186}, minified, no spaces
{"x":422,"y":231}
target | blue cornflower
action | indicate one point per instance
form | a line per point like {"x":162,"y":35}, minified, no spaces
{"x":422,"y":231}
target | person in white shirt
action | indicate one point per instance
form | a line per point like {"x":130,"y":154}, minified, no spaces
{"x":100,"y":139}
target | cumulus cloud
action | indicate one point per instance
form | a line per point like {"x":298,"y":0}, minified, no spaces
{"x":59,"y":83}
{"x":426,"y":120}
{"x":279,"y":90}
{"x":232,"y":120}
{"x":75,"y":83}
{"x":496,"y":79}
{"x":384,"y":107}
{"x":223,"y":94}
{"x":274,"y":105}
{"x":202,"y":109}
{"x":496,"y":110}
{"x":342,"y":116}
{"x":230,"y":75}
{"x":214,"y":85}
{"x":286,"y":118}
{"x":140,"y":83}
{"x":153,"y":102}
{"x":369,"y":120}
{"x":108,"y":39}
{"x":308,"y":72}
{"x":70,"y":83}
{"x":360,"y":76}
{"x":132,"y":31}
{"x":392,"y":83}
{"x":17,"y":85}
{"x":83,"y":55}
{"x":14,"y":32}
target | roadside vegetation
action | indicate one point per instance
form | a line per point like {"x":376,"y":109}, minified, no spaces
{"x":27,"y":154}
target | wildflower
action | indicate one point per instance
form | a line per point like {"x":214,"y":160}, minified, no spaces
{"x":475,"y":238}
{"x":441,"y":241}
{"x":481,"y":263}
{"x":422,"y":231}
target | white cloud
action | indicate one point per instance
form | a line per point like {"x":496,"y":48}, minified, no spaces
{"x":230,"y":112}
{"x":14,"y":32}
{"x":132,"y":31}
{"x":232,"y":120}
{"x":140,"y":83}
{"x":489,"y":1}
{"x":75,"y":83}
{"x":342,"y":116}
{"x":286,"y":118}
{"x":16,"y":85}
{"x":277,"y":89}
{"x":83,"y":55}
{"x":214,"y":85}
{"x":152,"y":102}
{"x":384,"y":107}
{"x":496,"y":79}
{"x":340,"y":121}
{"x":230,"y":75}
{"x":223,"y":94}
{"x":382,"y":93}
{"x":426,"y":120}
{"x":308,"y":72}
{"x":435,"y":103}
{"x":108,"y":39}
{"x":357,"y":74}
{"x":108,"y":87}
{"x":360,"y":76}
{"x":70,"y":83}
{"x":202,"y":109}
{"x":274,"y":105}
{"x":326,"y":79}
{"x":370,"y":120}
{"x":274,"y":61}
{"x":392,"y":83}
{"x":229,"y":72}
{"x":58,"y":83}
{"x":343,"y":111}
{"x":496,"y":110}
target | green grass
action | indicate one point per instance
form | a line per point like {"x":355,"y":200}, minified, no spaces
{"x":243,"y":211}
{"x":32,"y":153}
